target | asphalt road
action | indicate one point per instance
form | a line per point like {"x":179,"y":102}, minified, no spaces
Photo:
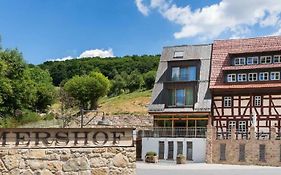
{"x":170,"y":168}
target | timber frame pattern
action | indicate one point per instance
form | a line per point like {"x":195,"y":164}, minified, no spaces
{"x":242,"y":112}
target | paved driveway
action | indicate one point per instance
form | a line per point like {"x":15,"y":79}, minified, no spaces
{"x":170,"y":168}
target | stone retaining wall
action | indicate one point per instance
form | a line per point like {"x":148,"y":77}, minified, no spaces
{"x":251,"y":149}
{"x":69,"y":161}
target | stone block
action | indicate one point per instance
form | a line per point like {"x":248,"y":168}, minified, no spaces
{"x":120,"y":160}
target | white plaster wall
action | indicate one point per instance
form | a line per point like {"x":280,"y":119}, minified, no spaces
{"x":198,"y":147}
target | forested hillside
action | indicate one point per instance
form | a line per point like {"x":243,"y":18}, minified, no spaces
{"x":110,"y":67}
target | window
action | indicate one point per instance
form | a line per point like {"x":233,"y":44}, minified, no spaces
{"x":189,"y":150}
{"x":180,"y":148}
{"x":231,"y":124}
{"x":184,"y":73}
{"x":175,"y":73}
{"x":242,"y":152}
{"x":257,"y":101}
{"x":227,"y":101}
{"x":170,"y":150}
{"x":242,"y":77}
{"x":263,"y":76}
{"x":262,"y":153}
{"x":265,"y":59}
{"x":222,"y":151}
{"x":178,"y":54}
{"x":252,"y":60}
{"x":239,"y":61}
{"x":180,"y":97}
{"x":161,"y":150}
{"x":277,"y":59}
{"x":252,"y":76}
{"x":191,"y":73}
{"x":231,"y":77}
{"x":274,"y":75}
{"x":242,"y":126}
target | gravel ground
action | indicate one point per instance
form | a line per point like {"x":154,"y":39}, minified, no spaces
{"x":170,"y":168}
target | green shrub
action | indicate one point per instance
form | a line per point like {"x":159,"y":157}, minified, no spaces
{"x":28,"y":117}
{"x":151,"y":153}
{"x":49,"y":116}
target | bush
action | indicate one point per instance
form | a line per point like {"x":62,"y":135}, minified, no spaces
{"x":135,"y":81}
{"x":49,"y":116}
{"x":149,"y":79}
{"x":151,"y":153}
{"x":28,"y":117}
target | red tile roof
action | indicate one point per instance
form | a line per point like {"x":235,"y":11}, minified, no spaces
{"x":220,"y":59}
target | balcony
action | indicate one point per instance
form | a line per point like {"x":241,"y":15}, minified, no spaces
{"x":191,"y":132}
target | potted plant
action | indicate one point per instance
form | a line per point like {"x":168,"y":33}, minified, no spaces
{"x":181,"y":159}
{"x":151,"y":157}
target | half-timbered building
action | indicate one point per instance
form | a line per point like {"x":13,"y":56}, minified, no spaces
{"x":245,"y":84}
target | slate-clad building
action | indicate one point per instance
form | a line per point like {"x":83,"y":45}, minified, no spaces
{"x":181,"y":103}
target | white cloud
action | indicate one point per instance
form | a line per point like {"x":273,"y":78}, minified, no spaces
{"x":97,"y":53}
{"x":62,"y":59}
{"x":88,"y":54}
{"x":141,"y":7}
{"x":233,"y":17}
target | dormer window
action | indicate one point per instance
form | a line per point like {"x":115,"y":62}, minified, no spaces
{"x":239,"y":61}
{"x":252,"y":60}
{"x":274,"y":75}
{"x":265,"y":59}
{"x":231,"y":78}
{"x":242,"y":77}
{"x":277,"y":59}
{"x":252,"y":77}
{"x":184,"y":73}
{"x":263,"y":76}
{"x":178,"y":54}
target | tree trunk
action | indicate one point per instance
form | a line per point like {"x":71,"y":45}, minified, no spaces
{"x":94,"y":104}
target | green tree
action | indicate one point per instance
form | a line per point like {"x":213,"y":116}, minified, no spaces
{"x":87,"y":89}
{"x":118,"y":85}
{"x":149,"y":79}
{"x":45,"y":91}
{"x":135,"y":81}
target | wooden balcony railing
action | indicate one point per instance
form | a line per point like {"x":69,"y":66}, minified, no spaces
{"x":191,"y":132}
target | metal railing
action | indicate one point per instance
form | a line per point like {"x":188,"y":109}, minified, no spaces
{"x":198,"y":132}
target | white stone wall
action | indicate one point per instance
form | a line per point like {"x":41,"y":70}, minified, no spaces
{"x":69,"y":161}
{"x":198,"y":145}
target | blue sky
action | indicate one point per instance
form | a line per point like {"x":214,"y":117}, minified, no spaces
{"x":55,"y":29}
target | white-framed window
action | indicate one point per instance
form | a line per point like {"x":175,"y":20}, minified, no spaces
{"x":277,"y":59}
{"x":253,"y":60}
{"x":265,"y":59}
{"x":240,"y":61}
{"x":231,"y":124}
{"x":252,"y":77}
{"x":257,"y":101}
{"x":274,"y":75}
{"x":231,"y":77}
{"x":264,"y":76}
{"x":242,"y":126}
{"x":242,"y":77}
{"x":227,"y":101}
{"x":178,"y":54}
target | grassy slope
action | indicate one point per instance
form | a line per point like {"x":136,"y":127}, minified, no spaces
{"x":132,"y":103}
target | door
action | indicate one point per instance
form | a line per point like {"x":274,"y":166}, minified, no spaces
{"x":161,"y":150}
{"x":170,"y":150}
{"x":189,"y":150}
